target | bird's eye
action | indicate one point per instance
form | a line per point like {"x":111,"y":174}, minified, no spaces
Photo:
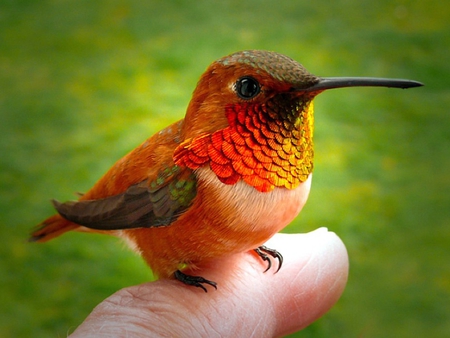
{"x":247,"y":87}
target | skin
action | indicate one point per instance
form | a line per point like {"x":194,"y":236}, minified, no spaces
{"x":248,"y":302}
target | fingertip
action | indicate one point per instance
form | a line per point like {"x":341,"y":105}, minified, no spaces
{"x":312,"y":279}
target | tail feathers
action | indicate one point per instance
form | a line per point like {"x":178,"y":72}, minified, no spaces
{"x":52,"y":227}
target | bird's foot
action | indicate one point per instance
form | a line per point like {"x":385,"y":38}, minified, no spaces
{"x":264,"y":252}
{"x":196,"y":281}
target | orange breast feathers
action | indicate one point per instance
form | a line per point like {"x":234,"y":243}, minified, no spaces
{"x":264,"y":152}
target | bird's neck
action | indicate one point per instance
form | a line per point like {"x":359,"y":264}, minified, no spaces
{"x":267,"y":146}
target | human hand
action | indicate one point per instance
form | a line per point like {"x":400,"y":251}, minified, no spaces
{"x":247,"y":303}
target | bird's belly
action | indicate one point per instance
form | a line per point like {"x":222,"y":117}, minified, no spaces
{"x":241,"y":218}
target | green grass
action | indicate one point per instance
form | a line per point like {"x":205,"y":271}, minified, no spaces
{"x":84,"y":82}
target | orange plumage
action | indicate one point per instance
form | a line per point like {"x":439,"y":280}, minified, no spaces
{"x":224,"y":180}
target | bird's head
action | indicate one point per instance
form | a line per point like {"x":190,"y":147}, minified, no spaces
{"x":255,"y":78}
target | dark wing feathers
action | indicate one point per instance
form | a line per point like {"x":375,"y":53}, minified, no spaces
{"x":138,"y":207}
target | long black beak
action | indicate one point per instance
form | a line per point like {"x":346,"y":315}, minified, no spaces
{"x":340,"y":82}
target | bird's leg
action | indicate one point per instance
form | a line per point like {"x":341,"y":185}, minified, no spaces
{"x":264,"y":252}
{"x":197,"y":281}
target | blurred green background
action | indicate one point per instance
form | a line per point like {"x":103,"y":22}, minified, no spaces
{"x":83,"y":82}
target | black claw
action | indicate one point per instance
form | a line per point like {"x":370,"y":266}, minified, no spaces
{"x":264,"y":251}
{"x":264,"y":257}
{"x":196,"y":281}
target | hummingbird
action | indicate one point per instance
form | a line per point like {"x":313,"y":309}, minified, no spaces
{"x":223,"y":180}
